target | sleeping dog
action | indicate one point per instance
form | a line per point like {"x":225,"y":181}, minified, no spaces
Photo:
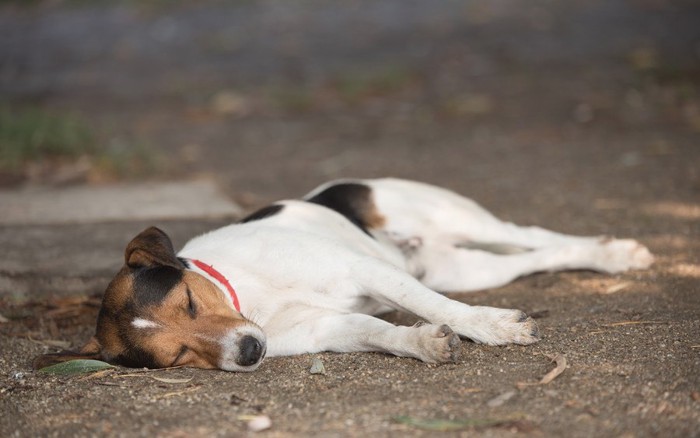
{"x":305,"y":276}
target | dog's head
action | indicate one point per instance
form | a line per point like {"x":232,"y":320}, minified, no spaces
{"x":156,"y":313}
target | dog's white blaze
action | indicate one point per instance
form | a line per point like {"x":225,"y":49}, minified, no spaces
{"x":144,"y":323}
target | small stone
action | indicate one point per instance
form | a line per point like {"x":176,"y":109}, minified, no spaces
{"x":259,"y":423}
{"x":317,"y":367}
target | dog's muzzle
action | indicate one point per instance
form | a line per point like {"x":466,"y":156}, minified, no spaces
{"x":243,"y":349}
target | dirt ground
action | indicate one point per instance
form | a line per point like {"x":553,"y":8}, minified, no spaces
{"x":579,"y":116}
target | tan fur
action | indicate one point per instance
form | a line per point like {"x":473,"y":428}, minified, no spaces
{"x":200,"y":335}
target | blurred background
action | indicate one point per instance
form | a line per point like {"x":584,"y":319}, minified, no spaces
{"x":512,"y":102}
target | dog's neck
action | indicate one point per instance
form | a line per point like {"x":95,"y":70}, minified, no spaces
{"x":220,"y":278}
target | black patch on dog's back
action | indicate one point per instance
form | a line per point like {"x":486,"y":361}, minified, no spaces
{"x":152,"y":285}
{"x":264,"y":212}
{"x":352,"y":200}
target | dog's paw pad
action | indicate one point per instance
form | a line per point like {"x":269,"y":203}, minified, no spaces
{"x":438,"y":344}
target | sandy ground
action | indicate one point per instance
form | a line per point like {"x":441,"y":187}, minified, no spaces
{"x":582,"y":117}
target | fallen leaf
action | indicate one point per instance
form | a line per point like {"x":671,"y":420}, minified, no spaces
{"x":78,"y":366}
{"x":500,"y":400}
{"x":695,"y":395}
{"x":166,"y":380}
{"x":176,"y":393}
{"x":618,"y":287}
{"x":560,"y":360}
{"x":3,"y":320}
{"x":561,"y":364}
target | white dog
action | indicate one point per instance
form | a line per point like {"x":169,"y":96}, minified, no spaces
{"x":305,"y":276}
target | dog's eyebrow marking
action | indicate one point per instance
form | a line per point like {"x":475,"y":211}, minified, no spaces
{"x":144,"y":323}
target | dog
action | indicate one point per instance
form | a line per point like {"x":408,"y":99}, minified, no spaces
{"x":309,"y":275}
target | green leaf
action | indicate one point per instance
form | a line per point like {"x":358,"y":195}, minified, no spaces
{"x":447,"y":425}
{"x":78,"y":366}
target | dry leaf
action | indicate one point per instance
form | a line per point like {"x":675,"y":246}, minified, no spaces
{"x":618,"y":287}
{"x":175,"y":393}
{"x":166,"y":380}
{"x":560,"y":360}
{"x":498,"y":401}
{"x":3,"y":319}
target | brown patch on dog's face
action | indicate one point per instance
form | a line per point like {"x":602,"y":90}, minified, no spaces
{"x":157,"y":314}
{"x":187,"y":326}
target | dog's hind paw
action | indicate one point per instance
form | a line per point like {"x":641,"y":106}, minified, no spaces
{"x":620,"y":255}
{"x":437,"y":344}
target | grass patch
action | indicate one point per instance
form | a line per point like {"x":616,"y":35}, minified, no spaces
{"x":125,"y":159}
{"x":31,"y":134}
{"x":355,"y":87}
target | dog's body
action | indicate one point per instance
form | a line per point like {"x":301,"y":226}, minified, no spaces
{"x":307,"y":276}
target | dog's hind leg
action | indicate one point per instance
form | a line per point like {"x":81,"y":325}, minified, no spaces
{"x":411,"y":209}
{"x":316,"y":330}
{"x":447,"y":268}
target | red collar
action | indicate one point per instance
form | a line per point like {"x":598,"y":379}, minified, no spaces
{"x":218,"y":276}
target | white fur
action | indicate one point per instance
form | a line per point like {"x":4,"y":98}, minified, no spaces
{"x":144,"y":323}
{"x":311,"y":279}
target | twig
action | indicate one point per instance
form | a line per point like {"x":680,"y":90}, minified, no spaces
{"x":175,"y":393}
{"x":621,"y":323}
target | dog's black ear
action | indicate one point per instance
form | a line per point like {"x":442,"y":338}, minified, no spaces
{"x":91,"y":350}
{"x":152,"y":247}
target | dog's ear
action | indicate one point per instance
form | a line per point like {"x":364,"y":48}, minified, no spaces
{"x":91,"y":350}
{"x":152,"y":247}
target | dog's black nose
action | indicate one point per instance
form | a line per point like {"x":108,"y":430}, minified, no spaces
{"x":251,"y":351}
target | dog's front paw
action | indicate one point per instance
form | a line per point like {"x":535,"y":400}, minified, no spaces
{"x":495,"y":326}
{"x":437,"y":343}
{"x":620,"y":255}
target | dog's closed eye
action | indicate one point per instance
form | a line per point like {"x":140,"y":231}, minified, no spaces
{"x":180,"y":354}
{"x":191,"y":305}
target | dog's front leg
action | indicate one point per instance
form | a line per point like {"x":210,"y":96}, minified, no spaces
{"x":314,"y":330}
{"x":488,"y":325}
